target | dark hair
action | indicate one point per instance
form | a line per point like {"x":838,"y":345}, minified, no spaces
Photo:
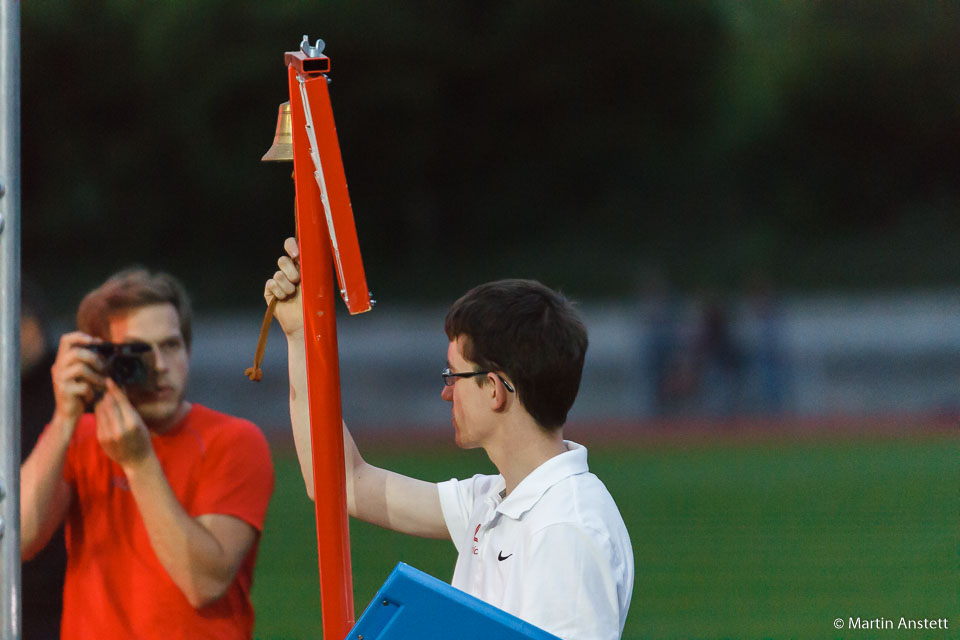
{"x":131,"y":289}
{"x":532,"y":334}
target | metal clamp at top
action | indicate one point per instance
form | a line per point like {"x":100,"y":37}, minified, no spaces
{"x":309,"y":59}
{"x":314,"y":51}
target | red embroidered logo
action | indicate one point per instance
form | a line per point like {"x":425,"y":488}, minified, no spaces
{"x":476,"y":551}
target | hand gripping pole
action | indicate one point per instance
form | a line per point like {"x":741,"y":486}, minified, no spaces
{"x":328,"y":237}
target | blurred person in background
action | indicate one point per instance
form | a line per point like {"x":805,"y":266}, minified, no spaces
{"x":543,"y":540}
{"x":660,"y":319}
{"x":163,"y":500}
{"x":767,"y":366}
{"x":719,"y":361}
{"x":42,"y":577}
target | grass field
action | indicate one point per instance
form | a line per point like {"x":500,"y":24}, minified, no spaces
{"x":741,"y":538}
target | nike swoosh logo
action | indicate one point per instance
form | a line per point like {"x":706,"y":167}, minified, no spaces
{"x":502,"y":557}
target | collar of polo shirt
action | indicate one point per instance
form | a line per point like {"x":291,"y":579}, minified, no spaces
{"x":531,"y":489}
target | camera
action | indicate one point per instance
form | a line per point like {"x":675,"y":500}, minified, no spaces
{"x":129,"y":364}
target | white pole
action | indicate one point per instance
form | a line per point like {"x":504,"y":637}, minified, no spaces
{"x":10,"y":319}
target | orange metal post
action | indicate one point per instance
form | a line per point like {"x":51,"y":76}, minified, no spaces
{"x":327,"y":237}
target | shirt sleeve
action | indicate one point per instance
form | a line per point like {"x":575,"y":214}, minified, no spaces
{"x":237,"y":475}
{"x":575,"y":596}
{"x":457,"y":498}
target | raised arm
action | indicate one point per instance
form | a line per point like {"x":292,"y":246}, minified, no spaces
{"x":44,"y":494}
{"x":374,"y":495}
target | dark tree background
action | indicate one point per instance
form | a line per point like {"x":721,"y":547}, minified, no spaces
{"x":582,"y":144}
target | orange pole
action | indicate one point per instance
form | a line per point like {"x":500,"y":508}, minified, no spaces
{"x":323,"y":377}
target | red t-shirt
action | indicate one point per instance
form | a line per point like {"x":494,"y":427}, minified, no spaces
{"x":115,"y":587}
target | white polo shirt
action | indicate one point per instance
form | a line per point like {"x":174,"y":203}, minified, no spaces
{"x":555,"y":552}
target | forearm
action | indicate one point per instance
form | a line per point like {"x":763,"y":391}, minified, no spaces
{"x":374,"y":495}
{"x":191,"y":555}
{"x":44,"y":495}
{"x":391,"y":500}
{"x":355,"y":467}
{"x":300,"y":407}
{"x":300,"y":421}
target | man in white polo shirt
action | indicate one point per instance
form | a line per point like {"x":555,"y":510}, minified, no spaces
{"x":542,"y":540}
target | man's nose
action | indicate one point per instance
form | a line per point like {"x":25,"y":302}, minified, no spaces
{"x":447,"y":393}
{"x":159,"y":361}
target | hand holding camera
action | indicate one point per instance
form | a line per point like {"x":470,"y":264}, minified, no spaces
{"x":84,"y":364}
{"x":93,"y":374}
{"x":76,"y":375}
{"x":120,"y":429}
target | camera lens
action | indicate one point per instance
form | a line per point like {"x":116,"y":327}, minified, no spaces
{"x":126,"y":370}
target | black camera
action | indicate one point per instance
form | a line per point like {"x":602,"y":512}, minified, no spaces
{"x":129,"y":364}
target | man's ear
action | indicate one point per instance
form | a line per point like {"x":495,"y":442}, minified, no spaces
{"x":498,"y":393}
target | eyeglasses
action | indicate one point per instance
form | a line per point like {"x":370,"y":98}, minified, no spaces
{"x":449,"y":377}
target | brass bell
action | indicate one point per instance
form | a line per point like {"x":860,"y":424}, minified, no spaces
{"x":282,"y":148}
{"x":280,"y":151}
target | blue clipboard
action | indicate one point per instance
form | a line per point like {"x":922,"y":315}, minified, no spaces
{"x":412,"y":605}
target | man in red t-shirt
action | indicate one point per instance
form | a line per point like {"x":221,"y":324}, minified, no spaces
{"x":163,"y":500}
